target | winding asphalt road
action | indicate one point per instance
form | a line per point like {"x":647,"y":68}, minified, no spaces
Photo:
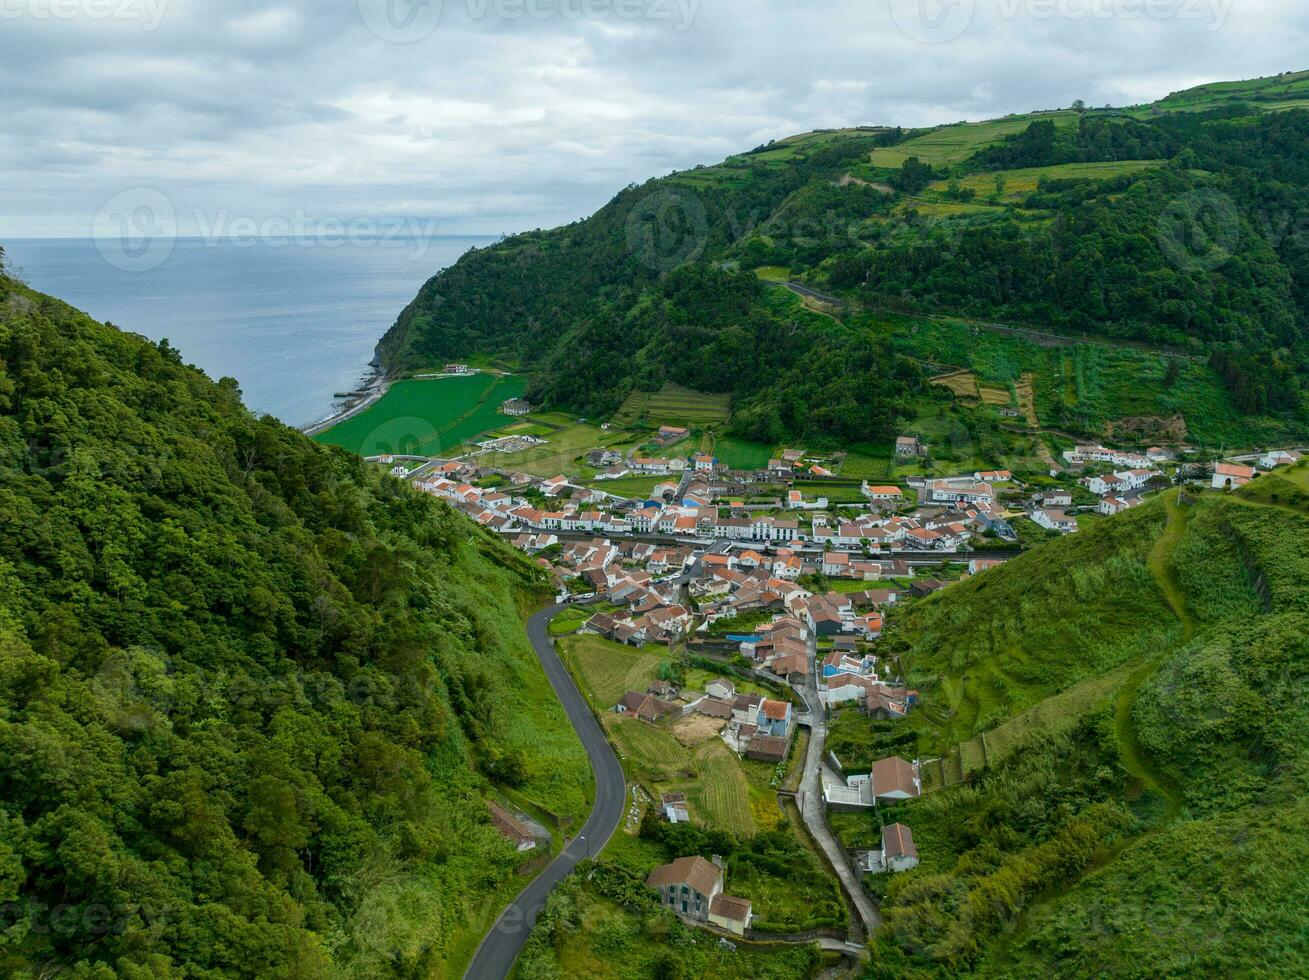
{"x":495,"y":957}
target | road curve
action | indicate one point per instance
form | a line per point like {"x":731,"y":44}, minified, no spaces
{"x":501,"y":946}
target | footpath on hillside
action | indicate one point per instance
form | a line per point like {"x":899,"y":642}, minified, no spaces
{"x":1160,"y":563}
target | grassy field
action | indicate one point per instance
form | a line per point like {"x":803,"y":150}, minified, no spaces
{"x":740,"y":454}
{"x":564,"y":452}
{"x":1020,"y":183}
{"x":633,"y":486}
{"x":719,"y":795}
{"x":427,"y":418}
{"x":608,"y":670}
{"x":612,"y":943}
{"x":675,"y":405}
{"x":1126,"y":794}
{"x":651,"y":753}
{"x":773,"y":273}
{"x":953,"y":144}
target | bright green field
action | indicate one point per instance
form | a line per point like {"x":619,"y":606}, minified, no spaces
{"x":742,"y":455}
{"x":427,"y":418}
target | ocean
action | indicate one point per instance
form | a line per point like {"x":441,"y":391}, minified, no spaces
{"x":293,"y":322}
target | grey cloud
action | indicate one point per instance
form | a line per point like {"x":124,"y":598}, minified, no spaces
{"x":494,"y":124}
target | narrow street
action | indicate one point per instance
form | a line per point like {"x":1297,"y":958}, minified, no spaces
{"x":814,"y":811}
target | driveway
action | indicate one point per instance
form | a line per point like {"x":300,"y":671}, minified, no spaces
{"x":501,"y":946}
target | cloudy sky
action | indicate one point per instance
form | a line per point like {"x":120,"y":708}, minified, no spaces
{"x":491,"y":116}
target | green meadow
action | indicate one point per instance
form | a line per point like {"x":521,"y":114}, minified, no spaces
{"x":427,"y":418}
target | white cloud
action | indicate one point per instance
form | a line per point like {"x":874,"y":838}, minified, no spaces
{"x":503,"y":121}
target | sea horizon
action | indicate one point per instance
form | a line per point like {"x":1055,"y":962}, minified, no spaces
{"x":294,"y":321}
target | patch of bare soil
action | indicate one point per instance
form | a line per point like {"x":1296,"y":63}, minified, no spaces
{"x":696,"y":729}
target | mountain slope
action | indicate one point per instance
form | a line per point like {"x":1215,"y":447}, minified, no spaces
{"x":1172,"y":225}
{"x":1129,"y":714}
{"x":252,"y":694}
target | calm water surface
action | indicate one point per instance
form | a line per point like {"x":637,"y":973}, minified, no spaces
{"x":292,"y":322}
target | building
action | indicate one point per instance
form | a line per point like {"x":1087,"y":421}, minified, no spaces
{"x":721,"y":689}
{"x":675,"y":808}
{"x":688,"y":886}
{"x":457,"y":369}
{"x":895,"y":779}
{"x":516,"y":407}
{"x":1054,"y":520}
{"x":1229,"y":476}
{"x":1280,"y":457}
{"x":898,"y":850}
{"x":511,"y":828}
{"x":909,"y":446}
{"x":730,"y":914}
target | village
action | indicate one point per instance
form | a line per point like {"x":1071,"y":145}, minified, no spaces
{"x":786,"y":593}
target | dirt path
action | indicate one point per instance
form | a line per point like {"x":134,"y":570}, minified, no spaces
{"x":1134,"y":758}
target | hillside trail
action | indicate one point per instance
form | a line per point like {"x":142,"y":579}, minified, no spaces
{"x":1135,"y":761}
{"x":1133,"y":757}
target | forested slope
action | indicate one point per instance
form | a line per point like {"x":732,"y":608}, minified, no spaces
{"x":251,"y":692}
{"x":1138,"y":799}
{"x":1179,"y":225}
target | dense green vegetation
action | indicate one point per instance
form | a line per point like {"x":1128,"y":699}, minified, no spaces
{"x":252,"y":693}
{"x":1178,"y":226}
{"x":1160,"y":803}
{"x":604,"y":922}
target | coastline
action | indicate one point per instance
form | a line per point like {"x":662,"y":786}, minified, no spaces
{"x":374,"y":384}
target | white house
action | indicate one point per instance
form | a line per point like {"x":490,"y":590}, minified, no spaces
{"x":1054,"y":520}
{"x":1279,"y":457}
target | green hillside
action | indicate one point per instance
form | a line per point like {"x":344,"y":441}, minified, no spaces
{"x":1127,"y":709}
{"x":252,"y":694}
{"x":1164,"y":229}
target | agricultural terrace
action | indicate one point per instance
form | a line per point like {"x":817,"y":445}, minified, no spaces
{"x":953,"y":144}
{"x":427,"y":417}
{"x":1017,"y":184}
{"x":675,"y":405}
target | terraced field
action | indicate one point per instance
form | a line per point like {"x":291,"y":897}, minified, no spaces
{"x":1018,"y":184}
{"x":675,"y":405}
{"x":952,"y":144}
{"x":427,"y":418}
